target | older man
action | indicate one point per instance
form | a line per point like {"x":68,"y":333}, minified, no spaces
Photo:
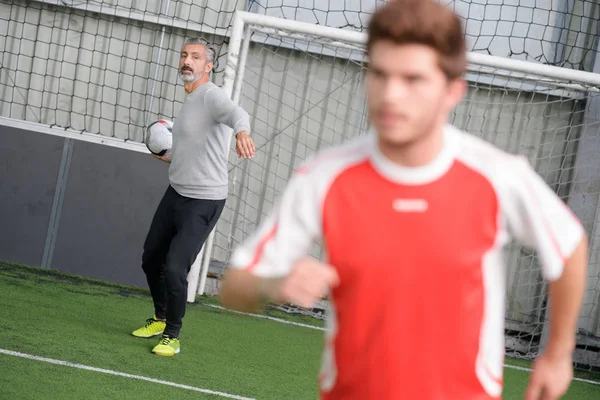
{"x":196,"y":195}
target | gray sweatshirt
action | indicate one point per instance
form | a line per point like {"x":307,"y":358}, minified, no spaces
{"x":199,"y":152}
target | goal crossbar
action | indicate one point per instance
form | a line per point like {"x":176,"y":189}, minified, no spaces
{"x":243,"y":18}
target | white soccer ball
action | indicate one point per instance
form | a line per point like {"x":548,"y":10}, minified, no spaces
{"x":158,"y":137}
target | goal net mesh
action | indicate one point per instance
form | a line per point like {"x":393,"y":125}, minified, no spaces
{"x":305,"y":93}
{"x":108,"y":67}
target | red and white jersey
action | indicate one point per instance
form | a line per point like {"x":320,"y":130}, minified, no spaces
{"x":419,"y":312}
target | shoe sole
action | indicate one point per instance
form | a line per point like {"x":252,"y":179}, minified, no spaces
{"x":167,"y":355}
{"x":146,"y":337}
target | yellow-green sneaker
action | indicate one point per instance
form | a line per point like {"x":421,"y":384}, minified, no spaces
{"x":152,"y":327}
{"x":168,"y":346}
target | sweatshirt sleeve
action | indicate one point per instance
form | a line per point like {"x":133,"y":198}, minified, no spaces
{"x":225,"y":111}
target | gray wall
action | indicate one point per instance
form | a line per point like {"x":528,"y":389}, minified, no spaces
{"x":29,"y":164}
{"x":109,"y":198}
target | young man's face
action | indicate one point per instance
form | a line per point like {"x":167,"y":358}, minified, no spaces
{"x":192,"y":63}
{"x":408,"y":94}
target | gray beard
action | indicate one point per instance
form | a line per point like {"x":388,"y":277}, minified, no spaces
{"x":188,"y":78}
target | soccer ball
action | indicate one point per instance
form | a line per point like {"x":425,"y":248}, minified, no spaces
{"x":158,"y":137}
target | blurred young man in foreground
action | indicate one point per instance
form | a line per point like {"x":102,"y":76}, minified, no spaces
{"x":414,"y":219}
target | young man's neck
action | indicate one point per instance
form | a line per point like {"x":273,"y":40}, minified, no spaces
{"x":415,"y":154}
{"x":190,"y":87}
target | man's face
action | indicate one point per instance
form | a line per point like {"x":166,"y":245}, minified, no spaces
{"x":192,"y":63}
{"x":408,"y":93}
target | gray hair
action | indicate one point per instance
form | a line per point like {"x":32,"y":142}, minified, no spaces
{"x":211,"y":53}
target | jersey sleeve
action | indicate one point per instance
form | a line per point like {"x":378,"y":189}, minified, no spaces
{"x":285,"y":235}
{"x":539,"y":219}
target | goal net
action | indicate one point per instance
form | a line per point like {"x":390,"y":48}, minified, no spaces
{"x":303,"y":85}
{"x":102,"y":69}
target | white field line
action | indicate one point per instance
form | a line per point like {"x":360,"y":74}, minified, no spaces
{"x":283,"y":321}
{"x":529,"y":370}
{"x":116,"y":373}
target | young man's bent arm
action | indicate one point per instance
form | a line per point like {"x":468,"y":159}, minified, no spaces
{"x":272,"y":265}
{"x":540,"y":219}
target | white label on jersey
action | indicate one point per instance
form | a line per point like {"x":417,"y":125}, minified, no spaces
{"x":410,"y":205}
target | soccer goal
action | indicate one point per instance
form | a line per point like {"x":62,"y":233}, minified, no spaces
{"x":303,"y":87}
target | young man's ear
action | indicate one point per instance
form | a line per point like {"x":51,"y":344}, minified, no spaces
{"x":457,"y":90}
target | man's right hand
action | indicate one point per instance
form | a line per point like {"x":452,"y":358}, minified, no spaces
{"x":308,"y":281}
{"x":164,"y":157}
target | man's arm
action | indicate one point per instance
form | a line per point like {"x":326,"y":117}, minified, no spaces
{"x":244,"y":145}
{"x":226,"y":112}
{"x":308,"y":281}
{"x":272,"y":265}
{"x":553,"y":370}
{"x":539,"y":218}
{"x":248,"y":282}
{"x":566,"y":296}
{"x":243,"y":291}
